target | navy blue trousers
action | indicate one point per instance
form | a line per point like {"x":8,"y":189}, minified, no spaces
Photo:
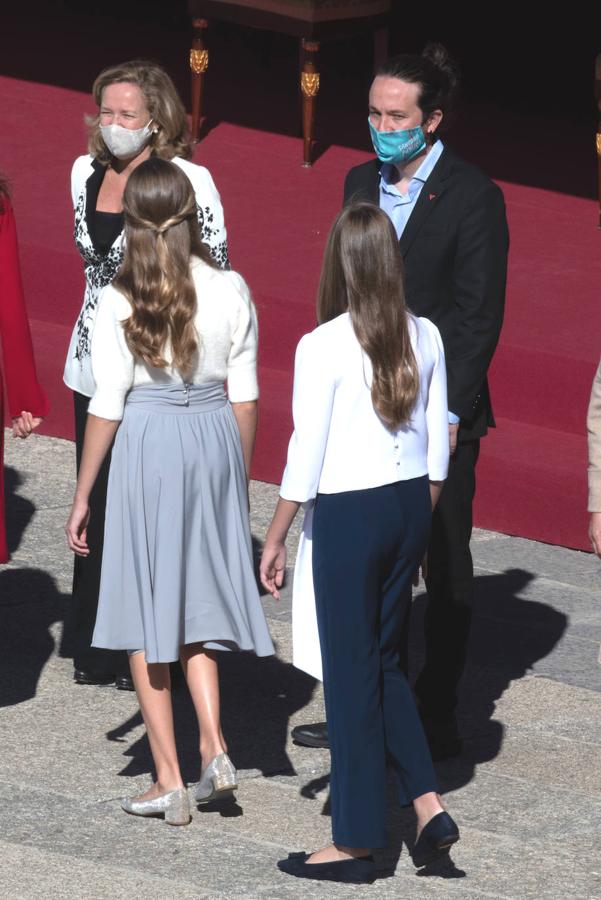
{"x":366,"y":547}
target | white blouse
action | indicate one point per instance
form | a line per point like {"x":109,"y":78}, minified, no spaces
{"x":339,"y":442}
{"x":101,"y":269}
{"x":226,"y":323}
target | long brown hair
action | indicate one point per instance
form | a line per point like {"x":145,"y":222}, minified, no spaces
{"x":161,"y":234}
{"x":164,"y":105}
{"x":363,"y":273}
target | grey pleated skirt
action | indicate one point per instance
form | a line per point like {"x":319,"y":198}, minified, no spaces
{"x":177,"y":564}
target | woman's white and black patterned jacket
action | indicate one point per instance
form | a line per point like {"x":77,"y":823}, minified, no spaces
{"x":100,"y":269}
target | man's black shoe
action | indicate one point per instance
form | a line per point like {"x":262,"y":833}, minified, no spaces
{"x":443,"y":739}
{"x":80,"y":676}
{"x":124,"y":683}
{"x":312,"y":735}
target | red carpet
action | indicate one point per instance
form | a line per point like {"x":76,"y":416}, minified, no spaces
{"x":532,"y":472}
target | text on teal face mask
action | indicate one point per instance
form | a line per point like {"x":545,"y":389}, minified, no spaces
{"x":397,"y":147}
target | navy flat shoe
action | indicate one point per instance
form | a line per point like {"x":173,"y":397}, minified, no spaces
{"x":435,"y":839}
{"x":361,"y":870}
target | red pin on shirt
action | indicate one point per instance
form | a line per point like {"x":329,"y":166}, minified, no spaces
{"x":432,"y":197}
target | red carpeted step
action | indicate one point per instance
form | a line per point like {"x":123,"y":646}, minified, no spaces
{"x":532,"y":482}
{"x":542,"y":388}
{"x":50,"y":340}
{"x":275,"y":424}
{"x":532,"y":470}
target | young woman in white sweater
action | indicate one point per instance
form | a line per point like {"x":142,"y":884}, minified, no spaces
{"x":368,"y":457}
{"x":177,"y":575}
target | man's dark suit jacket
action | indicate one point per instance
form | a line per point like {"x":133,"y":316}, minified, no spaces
{"x":454,"y":248}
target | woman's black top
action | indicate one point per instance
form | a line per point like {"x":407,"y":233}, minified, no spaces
{"x":104,"y":227}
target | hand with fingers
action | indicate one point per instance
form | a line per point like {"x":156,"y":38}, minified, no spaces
{"x":453,"y":433}
{"x":594,"y":532}
{"x":24,"y":424}
{"x":273,"y":567}
{"x":76,"y":528}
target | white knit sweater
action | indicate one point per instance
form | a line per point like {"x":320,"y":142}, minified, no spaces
{"x":100,"y":269}
{"x":226,"y":323}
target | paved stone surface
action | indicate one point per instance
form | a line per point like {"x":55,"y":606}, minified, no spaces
{"x":526,"y":792}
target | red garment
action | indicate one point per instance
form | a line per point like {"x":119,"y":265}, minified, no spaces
{"x":18,"y":366}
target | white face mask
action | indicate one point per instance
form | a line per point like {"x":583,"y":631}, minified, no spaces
{"x":125,"y":142}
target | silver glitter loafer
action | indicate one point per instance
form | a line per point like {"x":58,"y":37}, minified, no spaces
{"x":218,"y":780}
{"x":174,"y":806}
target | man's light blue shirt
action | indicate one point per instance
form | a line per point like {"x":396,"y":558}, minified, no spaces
{"x":399,"y":206}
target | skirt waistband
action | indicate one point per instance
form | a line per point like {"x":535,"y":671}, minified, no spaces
{"x":181,"y":397}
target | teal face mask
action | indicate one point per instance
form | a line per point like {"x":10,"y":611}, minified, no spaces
{"x":397,"y":147}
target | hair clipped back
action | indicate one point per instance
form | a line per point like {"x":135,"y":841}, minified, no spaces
{"x":161,"y":234}
{"x":362,"y":273}
{"x":163,"y":102}
{"x":436,"y":73}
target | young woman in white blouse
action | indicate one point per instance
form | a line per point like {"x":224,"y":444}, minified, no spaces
{"x":139,"y":116}
{"x":368,"y":457}
{"x":177,"y":573}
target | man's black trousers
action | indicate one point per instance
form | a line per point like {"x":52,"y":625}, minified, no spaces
{"x":450,"y":586}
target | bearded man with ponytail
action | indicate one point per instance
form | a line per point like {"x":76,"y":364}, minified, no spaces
{"x":450,"y":224}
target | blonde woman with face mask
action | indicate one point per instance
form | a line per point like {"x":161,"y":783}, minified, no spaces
{"x":139,"y":116}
